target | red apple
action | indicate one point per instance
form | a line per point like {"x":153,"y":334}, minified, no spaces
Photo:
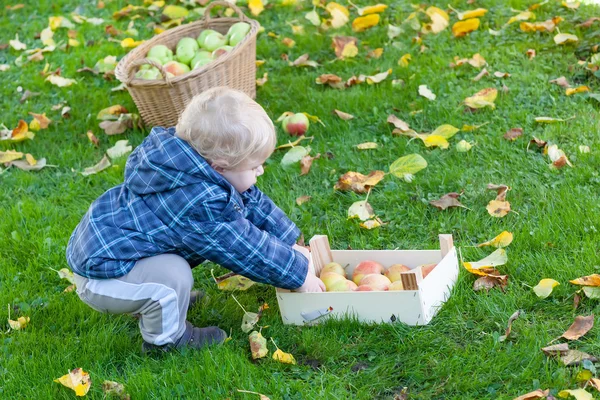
{"x":364,"y":288}
{"x":365,"y":268}
{"x":376,"y":282}
{"x":394,"y":272}
{"x":296,"y":124}
{"x":176,"y":68}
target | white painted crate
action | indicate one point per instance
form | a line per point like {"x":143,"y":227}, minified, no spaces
{"x":413,"y":307}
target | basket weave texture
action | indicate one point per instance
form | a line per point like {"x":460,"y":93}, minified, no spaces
{"x":161,"y":101}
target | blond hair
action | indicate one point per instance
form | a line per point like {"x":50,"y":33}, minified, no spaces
{"x":227,"y":128}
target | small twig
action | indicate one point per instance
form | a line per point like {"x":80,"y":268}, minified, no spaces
{"x":236,"y":300}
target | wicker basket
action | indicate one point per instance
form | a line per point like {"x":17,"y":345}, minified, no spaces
{"x":161,"y":101}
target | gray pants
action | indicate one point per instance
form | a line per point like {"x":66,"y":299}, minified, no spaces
{"x":158,"y":288}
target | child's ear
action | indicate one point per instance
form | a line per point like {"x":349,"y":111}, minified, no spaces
{"x":217,"y":166}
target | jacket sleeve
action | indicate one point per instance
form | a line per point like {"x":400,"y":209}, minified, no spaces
{"x":265,"y":215}
{"x":235,"y":243}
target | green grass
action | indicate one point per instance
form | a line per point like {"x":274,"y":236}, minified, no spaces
{"x":457,"y":356}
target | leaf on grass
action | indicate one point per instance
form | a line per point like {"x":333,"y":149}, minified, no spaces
{"x":490,"y":281}
{"x":10,"y":155}
{"x":571,"y":4}
{"x":462,"y":28}
{"x":426,"y":92}
{"x":374,"y":78}
{"x":480,"y":12}
{"x":550,"y":120}
{"x":17,"y":44}
{"x":282,"y":357}
{"x":294,"y":155}
{"x":483,"y":98}
{"x":447,"y":200}
{"x":579,"y":394}
{"x":65,"y":273}
{"x":343,"y":115}
{"x":513,"y":133}
{"x":344,"y":46}
{"x":405,"y":167}
{"x":112,"y":388}
{"x":358,"y":182}
{"x":92,"y":138}
{"x":102,"y":165}
{"x":398,"y":123}
{"x":562,"y":82}
{"x":589,"y":280}
{"x":588,"y":23}
{"x":499,"y":207}
{"x":40,"y":121}
{"x":249,"y":320}
{"x":530,"y":54}
{"x":120,"y":125}
{"x":258,"y":345}
{"x":484,"y":72}
{"x":306,"y":163}
{"x":371,"y":224}
{"x":119,"y":149}
{"x":439,"y":20}
{"x":476,"y":61}
{"x":313,"y":17}
{"x":546,"y":26}
{"x":471,"y":128}
{"x":111,"y":113}
{"x":375,"y":53}
{"x":235,"y":282}
{"x":19,"y":323}
{"x":302,"y":199}
{"x":60,"y":81}
{"x":361,"y":24}
{"x":330,"y":79}
{"x":509,"y":327}
{"x":580,"y":327}
{"x":463,"y":146}
{"x":78,"y":380}
{"x":584,"y":149}
{"x":498,"y":257}
{"x":536,"y":394}
{"x":20,"y":133}
{"x":361,"y":210}
{"x":565,"y":38}
{"x":377,"y":8}
{"x":576,"y":357}
{"x":579,"y":89}
{"x":303,"y":61}
{"x":28,"y":165}
{"x":367,"y":146}
{"x":544,"y":287}
{"x":558,"y":157}
{"x":502,"y":240}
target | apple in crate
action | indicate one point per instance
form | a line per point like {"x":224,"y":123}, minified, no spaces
{"x":336,"y":282}
{"x":366,"y":267}
{"x":186,"y":50}
{"x":221,"y":51}
{"x":237,"y":32}
{"x":376,"y":282}
{"x":394,"y":273}
{"x":175,"y":68}
{"x":161,"y":53}
{"x":427,"y":268}
{"x":396,"y":285}
{"x":214,"y":41}
{"x":335,"y":268}
{"x":296,"y":124}
{"x":364,"y":288}
{"x":203,"y":35}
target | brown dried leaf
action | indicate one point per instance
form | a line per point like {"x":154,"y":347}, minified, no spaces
{"x":306,"y":163}
{"x":588,"y":23}
{"x":343,"y":115}
{"x":589,"y":280}
{"x":536,"y":394}
{"x":538,"y":142}
{"x":530,"y":53}
{"x":27,"y":166}
{"x":580,"y":327}
{"x":500,"y":189}
{"x":509,"y":328}
{"x":513,"y":134}
{"x":332,"y":80}
{"x":302,"y":199}
{"x":490,"y":281}
{"x":303,"y":61}
{"x":484,"y":72}
{"x":556,"y":350}
{"x":398,"y":123}
{"x":92,"y":138}
{"x":447,"y":200}
{"x":28,"y":95}
{"x":358,"y":182}
{"x":344,"y":46}
{"x":562,"y":82}
{"x":575,"y":357}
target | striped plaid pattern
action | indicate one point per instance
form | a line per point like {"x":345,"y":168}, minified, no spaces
{"x":172,"y":201}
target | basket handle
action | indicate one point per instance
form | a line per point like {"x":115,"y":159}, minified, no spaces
{"x":132,"y":69}
{"x":209,"y":7}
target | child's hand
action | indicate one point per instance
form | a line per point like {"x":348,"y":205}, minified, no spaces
{"x":312,"y":284}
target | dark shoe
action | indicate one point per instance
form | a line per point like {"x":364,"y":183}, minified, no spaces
{"x":194,"y":337}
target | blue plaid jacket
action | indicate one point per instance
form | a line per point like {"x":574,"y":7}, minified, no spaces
{"x":172,"y":201}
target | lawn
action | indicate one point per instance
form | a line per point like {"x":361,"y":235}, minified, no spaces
{"x":458,"y":355}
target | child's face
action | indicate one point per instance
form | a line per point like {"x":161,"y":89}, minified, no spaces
{"x":243,"y":177}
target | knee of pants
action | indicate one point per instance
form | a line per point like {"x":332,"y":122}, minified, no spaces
{"x":178,"y":272}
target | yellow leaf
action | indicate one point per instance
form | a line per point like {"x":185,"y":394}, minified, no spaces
{"x":437,"y":11}
{"x":366,"y":146}
{"x":580,"y":89}
{"x":336,"y":6}
{"x":405,"y":167}
{"x":377,"y":77}
{"x":544,"y":288}
{"x":282,"y":357}
{"x":592,"y":292}
{"x":502,"y":240}
{"x":263,"y":80}
{"x":60,"y":81}
{"x":361,"y":24}
{"x":30,"y":159}
{"x":564,"y":38}
{"x":495,"y":259}
{"x":498,"y":208}
{"x":313,"y":17}
{"x":434,"y":141}
{"x":129,"y":43}
{"x":258,"y":345}
{"x":256,"y":7}
{"x":46,"y":37}
{"x":426,"y":92}
{"x":378,"y":8}
{"x":175,"y":12}
{"x":523,"y":16}
{"x":350,"y":50}
{"x":376,"y":53}
{"x":589,"y":280}
{"x":483,"y":98}
{"x":477,"y":61}
{"x":19,"y":324}
{"x":371,"y":224}
{"x":77,"y":380}
{"x":338,"y":19}
{"x":471,"y":128}
{"x":446,"y":131}
{"x":361,"y":210}
{"x":41,"y":120}
{"x":404,"y":60}
{"x":550,"y":120}
{"x":461,"y":28}
{"x":579,"y":394}
{"x":288,"y":42}
{"x":236,"y":282}
{"x":9,"y":155}
{"x":480,"y":12}
{"x":571,"y":4}
{"x":439,"y":20}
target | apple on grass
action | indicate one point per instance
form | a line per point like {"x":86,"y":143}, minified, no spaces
{"x":366,"y":267}
{"x":175,"y":68}
{"x":160,"y":52}
{"x":296,"y":124}
{"x":394,"y":273}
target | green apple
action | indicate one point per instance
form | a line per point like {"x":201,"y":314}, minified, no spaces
{"x":202,"y":61}
{"x":184,"y":55}
{"x":221,"y":51}
{"x":161,"y":52}
{"x":203,"y":35}
{"x":189,"y":43}
{"x":201,"y":56}
{"x":149,"y":73}
{"x":237,"y":32}
{"x":296,"y":125}
{"x":148,"y":66}
{"x":214,"y":41}
{"x":175,"y":68}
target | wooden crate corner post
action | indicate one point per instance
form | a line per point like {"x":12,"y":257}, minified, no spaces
{"x":320,"y":252}
{"x":446,"y":243}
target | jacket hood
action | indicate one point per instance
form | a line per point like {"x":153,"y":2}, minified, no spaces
{"x":164,"y":162}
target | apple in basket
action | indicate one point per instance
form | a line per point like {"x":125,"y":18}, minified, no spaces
{"x":175,"y":68}
{"x":202,"y":37}
{"x":201,"y":58}
{"x":214,"y":41}
{"x":148,"y":66}
{"x":186,"y":50}
{"x":221,"y":51}
{"x":148,"y":73}
{"x":296,"y":124}
{"x":161,"y":53}
{"x":237,"y":32}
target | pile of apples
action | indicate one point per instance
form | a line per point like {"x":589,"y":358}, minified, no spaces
{"x":193,"y":53}
{"x":367,"y":276}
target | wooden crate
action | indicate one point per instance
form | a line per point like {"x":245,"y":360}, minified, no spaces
{"x":413,"y":307}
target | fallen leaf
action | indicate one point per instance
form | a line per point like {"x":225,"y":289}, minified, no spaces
{"x":591,"y":292}
{"x":17,"y":44}
{"x":439,"y":20}
{"x":361,"y":24}
{"x":378,"y":8}
{"x":447,"y":200}
{"x":490,"y":281}
{"x":480,"y":12}
{"x":282,"y":357}
{"x":19,"y":323}
{"x":483,"y":98}
{"x":462,"y":28}
{"x":580,"y":327}
{"x":262,"y":396}
{"x":306,"y":163}
{"x":499,"y":74}
{"x":588,"y":23}
{"x":576,"y":357}
{"x":556,"y":349}
{"x":303,"y":61}
{"x":20,"y":133}
{"x":28,"y":166}
{"x":544,"y":287}
{"x":361,"y":210}
{"x":463,"y":146}
{"x":234,"y":282}
{"x":78,"y":380}
{"x":584,"y":149}
{"x":10,"y":155}
{"x":530,"y":54}
{"x":589,"y":280}
{"x":549,"y":120}
{"x":405,"y":167}
{"x":119,"y":149}
{"x":502,"y":240}
{"x":343,"y":115}
{"x":546,"y":26}
{"x":579,"y":89}
{"x":398,"y":123}
{"x":377,"y":77}
{"x":102,"y":165}
{"x":302,"y":199}
{"x":497,"y":258}
{"x":344,"y":46}
{"x":288,"y":42}
{"x":376,"y":53}
{"x":426,"y":92}
{"x":571,"y":4}
{"x":112,"y":388}
{"x":536,"y":394}
{"x":371,"y":224}
{"x":557,"y":156}
{"x":60,"y":81}
{"x":367,"y":146}
{"x":258,"y":345}
{"x":522,"y":16}
{"x":42,"y":121}
{"x":471,"y":128}
{"x":565,"y":38}
{"x":358,"y":182}
{"x":484,"y":72}
{"x":562,"y":82}
{"x":294,"y":155}
{"x":579,"y":394}
{"x":513,"y":134}
{"x":331,"y":80}
{"x":313,"y":17}
{"x":404,"y":61}
{"x":509,"y":327}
